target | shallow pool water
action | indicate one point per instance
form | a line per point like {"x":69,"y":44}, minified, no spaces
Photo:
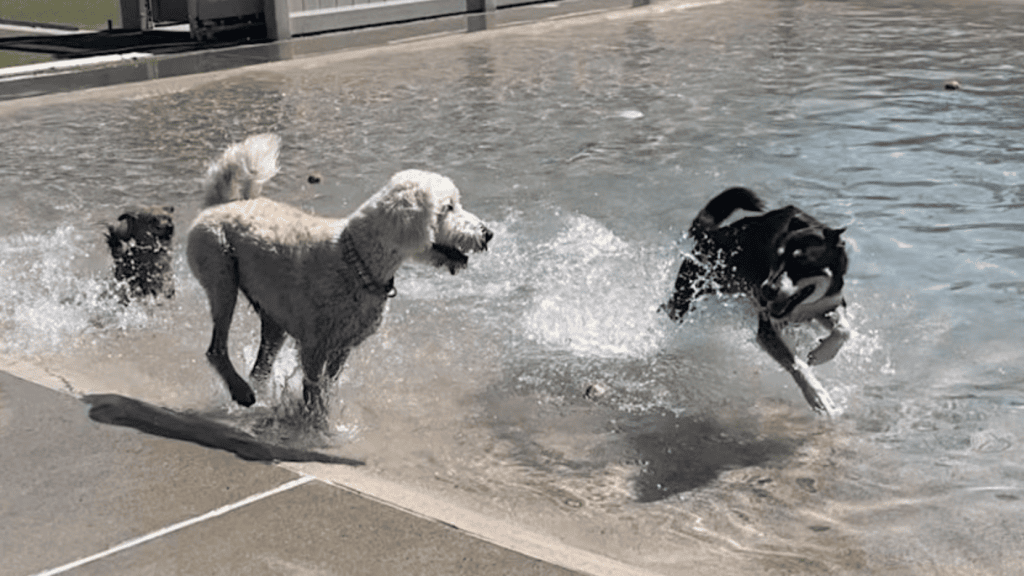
{"x":588,"y":145}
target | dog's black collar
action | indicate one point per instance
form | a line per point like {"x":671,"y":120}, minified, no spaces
{"x":352,"y":258}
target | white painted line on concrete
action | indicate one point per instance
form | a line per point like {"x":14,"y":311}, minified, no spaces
{"x":29,"y":70}
{"x":175,"y":527}
{"x":42,"y":29}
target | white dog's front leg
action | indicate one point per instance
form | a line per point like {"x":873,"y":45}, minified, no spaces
{"x":839,"y":326}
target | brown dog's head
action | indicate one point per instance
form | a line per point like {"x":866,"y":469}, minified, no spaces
{"x":140,"y":244}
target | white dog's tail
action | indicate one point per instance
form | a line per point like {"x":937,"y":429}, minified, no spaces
{"x":241,"y":171}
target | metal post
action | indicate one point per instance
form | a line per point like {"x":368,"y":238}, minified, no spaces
{"x":278,"y":19}
{"x":134,"y":14}
{"x":481,"y":14}
{"x":145,"y":15}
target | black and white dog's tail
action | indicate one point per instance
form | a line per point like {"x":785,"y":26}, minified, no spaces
{"x":721,"y":207}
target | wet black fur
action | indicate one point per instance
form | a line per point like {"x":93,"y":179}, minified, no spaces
{"x":739,"y":257}
{"x":140,"y":244}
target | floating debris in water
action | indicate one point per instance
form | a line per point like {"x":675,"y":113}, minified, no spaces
{"x":595,"y":391}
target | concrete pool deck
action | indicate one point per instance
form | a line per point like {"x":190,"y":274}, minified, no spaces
{"x":80,"y":497}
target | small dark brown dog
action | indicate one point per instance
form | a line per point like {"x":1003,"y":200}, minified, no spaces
{"x":140,"y":244}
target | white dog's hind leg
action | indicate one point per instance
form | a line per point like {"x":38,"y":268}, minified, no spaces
{"x":217,"y":353}
{"x":217,"y":274}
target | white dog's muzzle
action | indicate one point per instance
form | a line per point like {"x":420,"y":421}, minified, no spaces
{"x":454,"y":258}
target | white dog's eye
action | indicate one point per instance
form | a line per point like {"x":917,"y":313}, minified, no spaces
{"x":448,"y":208}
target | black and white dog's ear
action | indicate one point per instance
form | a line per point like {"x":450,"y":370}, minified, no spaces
{"x":832,"y":236}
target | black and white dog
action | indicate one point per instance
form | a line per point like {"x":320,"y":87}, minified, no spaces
{"x":789,"y":262}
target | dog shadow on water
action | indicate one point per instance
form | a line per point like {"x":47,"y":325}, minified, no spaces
{"x":684,"y":453}
{"x":667,"y":453}
{"x":123,"y":411}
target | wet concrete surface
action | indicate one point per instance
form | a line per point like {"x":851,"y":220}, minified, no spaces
{"x":80,"y":497}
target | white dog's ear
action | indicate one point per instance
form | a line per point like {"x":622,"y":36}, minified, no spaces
{"x":409,"y":208}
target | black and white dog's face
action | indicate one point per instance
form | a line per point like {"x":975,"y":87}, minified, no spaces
{"x":806,"y":274}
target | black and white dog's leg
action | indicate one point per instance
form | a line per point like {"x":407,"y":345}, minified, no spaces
{"x":836,"y":322}
{"x":772,"y":341}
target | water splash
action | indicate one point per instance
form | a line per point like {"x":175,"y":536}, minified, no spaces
{"x":51,"y":298}
{"x":285,"y":382}
{"x":595,"y":294}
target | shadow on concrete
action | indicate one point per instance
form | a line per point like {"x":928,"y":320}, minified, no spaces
{"x":123,"y":411}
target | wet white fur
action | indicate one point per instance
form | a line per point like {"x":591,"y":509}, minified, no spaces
{"x":293,"y":266}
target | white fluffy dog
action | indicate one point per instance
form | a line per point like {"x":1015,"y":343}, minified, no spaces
{"x":323,"y":281}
